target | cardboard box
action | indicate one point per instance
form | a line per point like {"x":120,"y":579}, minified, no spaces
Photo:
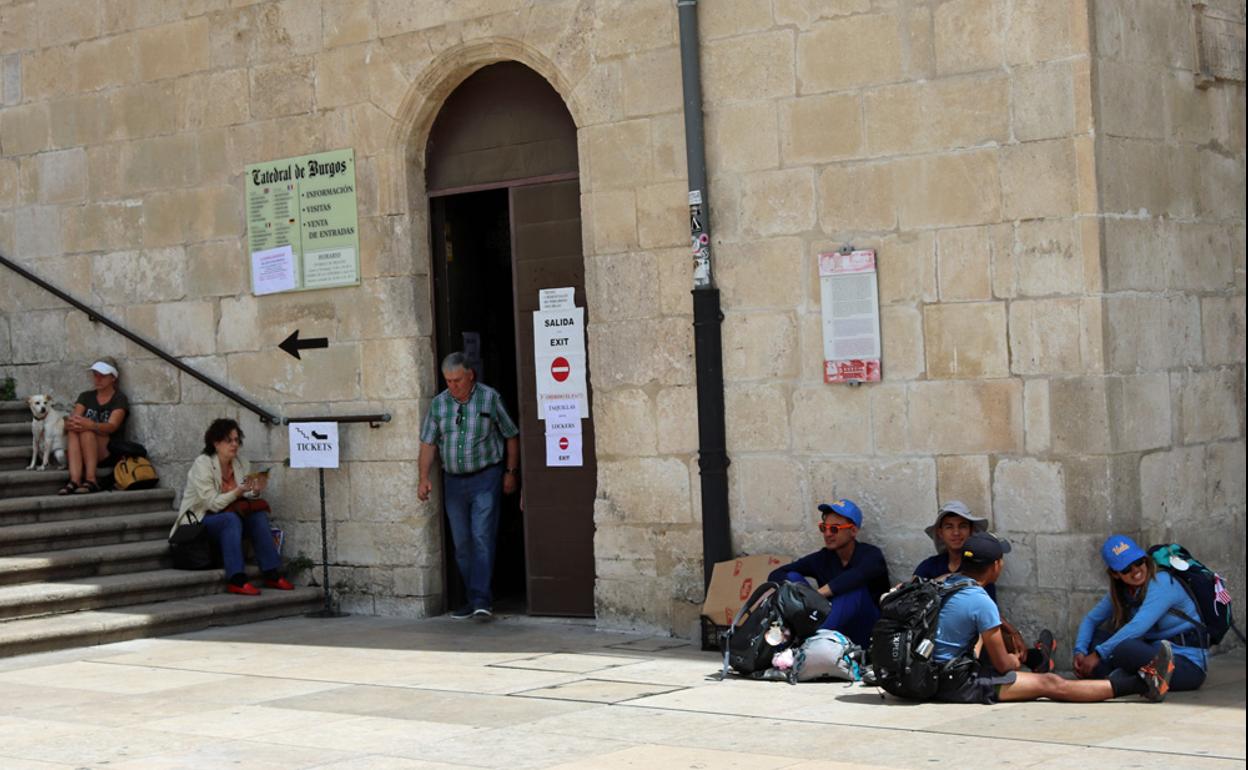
{"x":732,"y":582}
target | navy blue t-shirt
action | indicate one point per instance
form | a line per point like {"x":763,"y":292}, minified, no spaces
{"x":866,"y":567}
{"x":934,"y":566}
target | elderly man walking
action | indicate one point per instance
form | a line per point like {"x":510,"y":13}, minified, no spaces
{"x":469,"y":428}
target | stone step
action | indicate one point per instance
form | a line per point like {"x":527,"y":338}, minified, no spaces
{"x":58,"y":598}
{"x":15,"y":434}
{"x":84,"y":562}
{"x":14,"y":458}
{"x":54,"y":632}
{"x":14,"y":411}
{"x":24,"y":483}
{"x":26,"y":510}
{"x":83,"y":533}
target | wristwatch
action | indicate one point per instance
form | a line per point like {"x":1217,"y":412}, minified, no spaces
{"x":512,"y":470}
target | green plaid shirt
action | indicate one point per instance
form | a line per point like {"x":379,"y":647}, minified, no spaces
{"x":469,"y":436}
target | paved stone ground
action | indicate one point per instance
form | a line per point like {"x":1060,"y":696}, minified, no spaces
{"x":363,"y":692}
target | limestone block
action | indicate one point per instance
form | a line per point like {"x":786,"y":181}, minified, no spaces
{"x":640,"y":605}
{"x":6,"y":233}
{"x":630,"y":27}
{"x":1139,"y":411}
{"x":10,"y":79}
{"x":151,"y":381}
{"x":1129,"y":172}
{"x":761,"y":274}
{"x":726,"y":212}
{"x":47,"y":73}
{"x":743,"y":136}
{"x":778,"y":202}
{"x":857,"y":197}
{"x":26,"y":129}
{"x":616,"y":155}
{"x":907,"y":268}
{"x":1129,"y":100}
{"x":1037,"y":179}
{"x":38,"y":337}
{"x":1172,"y":488}
{"x":1211,"y":404}
{"x":212,"y":99}
{"x":1079,"y":413}
{"x":757,"y":66}
{"x":283,"y":88}
{"x":1149,"y":332}
{"x":667,"y":141}
{"x":346,"y":22}
{"x":965,"y":478}
{"x":1207,"y":261}
{"x":966,"y":340}
{"x":901,"y":340}
{"x":803,"y":14}
{"x":379,"y":543}
{"x":1048,"y":257}
{"x":18,"y":27}
{"x":621,"y":286}
{"x":968,"y":36}
{"x":384,"y":444}
{"x":1039,"y":30}
{"x":1224,"y":475}
{"x":599,"y":96}
{"x":756,"y":418}
{"x":1137,"y":253}
{"x":171,"y":50}
{"x":176,"y":431}
{"x":1218,"y":181}
{"x":610,"y":221}
{"x":136,"y":277}
{"x":639,"y":76}
{"x":889,"y":419}
{"x":1029,"y":496}
{"x":937,"y":115}
{"x":37,"y":231}
{"x":196,"y":392}
{"x":215,"y":268}
{"x":384,"y":491}
{"x":102,"y":227}
{"x":106,"y":62}
{"x":398,"y":308}
{"x":273,"y":376}
{"x":161,"y":162}
{"x":810,"y":347}
{"x":951,"y":190}
{"x":966,"y":416}
{"x":624,"y":543}
{"x":816,"y":129}
{"x":624,"y":423}
{"x":768,"y":494}
{"x":850,"y":52}
{"x":104,"y":171}
{"x":188,"y":216}
{"x":18,"y":295}
{"x":641,"y":352}
{"x":1052,"y":336}
{"x":964,"y":264}
{"x":893,"y":494}
{"x":1043,"y":99}
{"x":646,"y":489}
{"x":675,"y":281}
{"x":759,"y":346}
{"x":1222,"y":329}
{"x":181,"y":328}
{"x":239,"y":326}
{"x":411,"y":581}
{"x":677,"y":417}
{"x":1037,"y":419}
{"x":8,"y":182}
{"x":1103,"y":493}
{"x":6,"y":346}
{"x":831,"y":420}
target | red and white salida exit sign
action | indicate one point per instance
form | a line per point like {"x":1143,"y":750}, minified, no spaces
{"x":849,"y":293}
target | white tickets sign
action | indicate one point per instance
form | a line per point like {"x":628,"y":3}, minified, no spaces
{"x":313,"y":444}
{"x":563,"y":450}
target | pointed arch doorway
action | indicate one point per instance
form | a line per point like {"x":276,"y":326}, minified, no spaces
{"x":504,"y":219}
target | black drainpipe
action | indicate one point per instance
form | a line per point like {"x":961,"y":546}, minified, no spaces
{"x":707,"y":318}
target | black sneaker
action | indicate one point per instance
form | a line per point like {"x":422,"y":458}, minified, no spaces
{"x":483,"y":613}
{"x":1157,"y":673}
{"x":1046,"y":645}
{"x":463,"y":613}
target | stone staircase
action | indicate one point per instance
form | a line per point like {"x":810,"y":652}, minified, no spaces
{"x":88,"y":569}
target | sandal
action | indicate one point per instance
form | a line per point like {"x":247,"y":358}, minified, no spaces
{"x":87,"y":487}
{"x":69,"y":488}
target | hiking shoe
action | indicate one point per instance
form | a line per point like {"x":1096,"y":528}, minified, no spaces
{"x":1157,"y":673}
{"x":869,"y":678}
{"x":1046,"y":645}
{"x":463,"y":613}
{"x":483,"y":613}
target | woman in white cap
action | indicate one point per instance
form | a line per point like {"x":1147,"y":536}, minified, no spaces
{"x":99,"y":414}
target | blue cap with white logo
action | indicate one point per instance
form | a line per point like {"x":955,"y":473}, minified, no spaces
{"x":1119,"y":551}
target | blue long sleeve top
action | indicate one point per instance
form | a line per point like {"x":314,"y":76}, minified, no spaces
{"x":1150,"y":621}
{"x":866,"y":567}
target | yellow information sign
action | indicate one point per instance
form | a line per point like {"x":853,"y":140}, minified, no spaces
{"x":302,"y":227}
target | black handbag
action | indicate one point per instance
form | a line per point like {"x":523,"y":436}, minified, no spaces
{"x":190,"y":545}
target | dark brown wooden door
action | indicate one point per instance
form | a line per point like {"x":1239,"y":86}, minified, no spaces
{"x":558,"y":502}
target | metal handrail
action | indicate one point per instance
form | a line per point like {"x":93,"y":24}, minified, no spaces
{"x":371,"y":419}
{"x":94,"y":315}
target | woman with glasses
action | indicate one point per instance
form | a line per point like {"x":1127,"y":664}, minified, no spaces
{"x":1142,"y":617}
{"x":220,"y":493}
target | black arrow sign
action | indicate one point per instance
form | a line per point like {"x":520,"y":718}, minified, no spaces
{"x":293,"y":344}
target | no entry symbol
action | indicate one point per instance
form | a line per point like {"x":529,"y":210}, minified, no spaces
{"x":563,"y":442}
{"x":560,"y":369}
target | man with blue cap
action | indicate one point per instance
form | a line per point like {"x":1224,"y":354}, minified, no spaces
{"x":851,"y":575}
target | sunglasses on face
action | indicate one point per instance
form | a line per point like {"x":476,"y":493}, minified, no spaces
{"x":829,"y":529}
{"x":1131,"y":567}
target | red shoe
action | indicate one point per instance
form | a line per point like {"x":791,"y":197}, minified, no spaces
{"x":281,"y":584}
{"x":246,"y":589}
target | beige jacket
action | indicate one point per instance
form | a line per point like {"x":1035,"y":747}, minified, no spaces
{"x":203,"y":487}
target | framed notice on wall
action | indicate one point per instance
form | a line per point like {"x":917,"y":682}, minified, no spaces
{"x":851,"y":316}
{"x":302,"y":228}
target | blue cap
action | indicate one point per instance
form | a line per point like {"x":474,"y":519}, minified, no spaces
{"x":846,"y":508}
{"x":1119,"y":551}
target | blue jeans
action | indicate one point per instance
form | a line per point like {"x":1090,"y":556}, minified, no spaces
{"x":229,"y":529}
{"x":853,"y":614}
{"x":1133,"y":654}
{"x":472,"y":507}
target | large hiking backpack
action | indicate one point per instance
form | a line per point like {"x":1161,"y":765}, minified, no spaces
{"x":757,"y":633}
{"x":803,"y":609}
{"x":827,"y":655}
{"x":1206,"y":588}
{"x":904,"y":638}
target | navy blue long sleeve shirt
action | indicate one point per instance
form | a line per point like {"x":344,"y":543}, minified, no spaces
{"x":866,"y":567}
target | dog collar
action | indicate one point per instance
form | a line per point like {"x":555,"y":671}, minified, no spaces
{"x":38,"y":418}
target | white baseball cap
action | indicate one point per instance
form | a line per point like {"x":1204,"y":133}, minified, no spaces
{"x":105,"y":366}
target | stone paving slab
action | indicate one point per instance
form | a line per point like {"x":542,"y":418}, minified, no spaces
{"x":365,"y":693}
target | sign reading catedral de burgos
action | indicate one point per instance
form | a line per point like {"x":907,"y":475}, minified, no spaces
{"x":302,"y":228}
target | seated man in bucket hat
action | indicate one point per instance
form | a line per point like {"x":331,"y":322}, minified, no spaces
{"x":852,"y":575}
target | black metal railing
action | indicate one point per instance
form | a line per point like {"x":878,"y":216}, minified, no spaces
{"x":96,"y":316}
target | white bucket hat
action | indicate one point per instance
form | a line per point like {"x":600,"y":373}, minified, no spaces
{"x":955,"y":508}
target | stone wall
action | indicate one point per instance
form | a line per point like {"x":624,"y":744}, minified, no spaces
{"x":1048,"y":357}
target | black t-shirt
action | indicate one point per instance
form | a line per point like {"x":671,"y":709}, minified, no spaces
{"x":97,"y":412}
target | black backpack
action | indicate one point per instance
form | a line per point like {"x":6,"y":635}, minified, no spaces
{"x":904,"y":638}
{"x":1205,"y":587}
{"x":803,"y":609}
{"x":749,"y":644}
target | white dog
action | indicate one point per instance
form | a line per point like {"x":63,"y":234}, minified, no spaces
{"x":47,"y":432}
